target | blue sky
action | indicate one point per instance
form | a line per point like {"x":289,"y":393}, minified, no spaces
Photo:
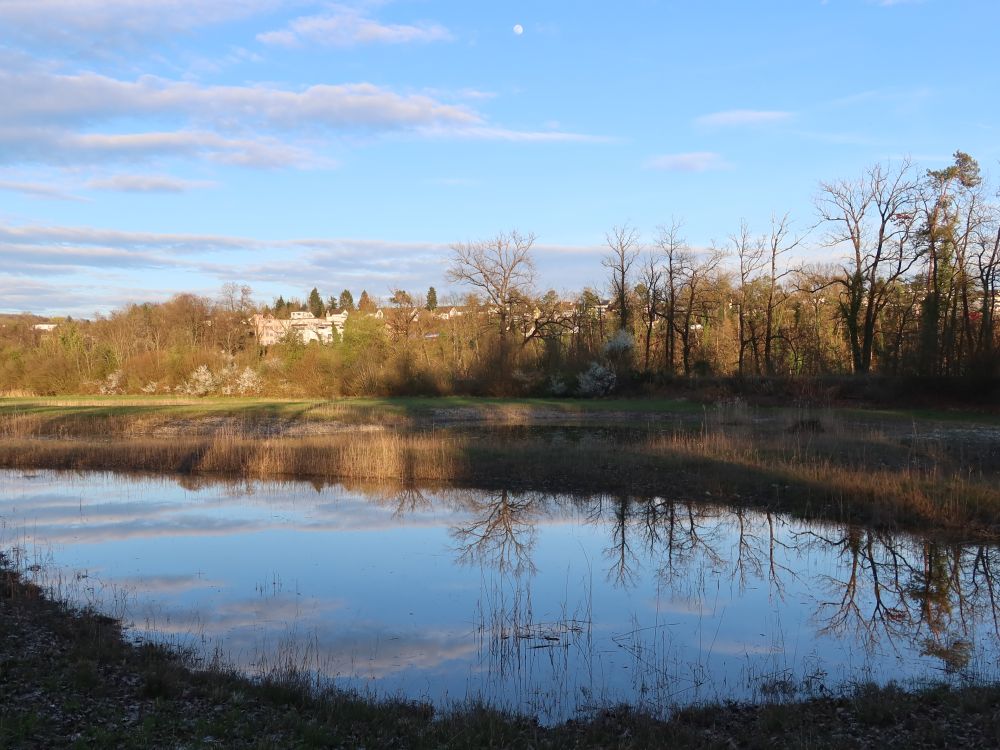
{"x":149,"y":147}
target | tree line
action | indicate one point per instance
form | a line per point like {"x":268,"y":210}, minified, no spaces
{"x":914,"y":292}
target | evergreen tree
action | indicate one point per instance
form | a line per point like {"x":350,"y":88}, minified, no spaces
{"x":365,"y":304}
{"x":346,"y":301}
{"x":331,"y":303}
{"x":279,"y":306}
{"x":315,"y":303}
{"x":432,"y":299}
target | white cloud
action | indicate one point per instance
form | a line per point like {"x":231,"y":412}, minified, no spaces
{"x":98,"y":264}
{"x":514,"y":136}
{"x":347,"y":27}
{"x":138,"y":183}
{"x":57,"y":118}
{"x":96,"y":25}
{"x":35,"y":96}
{"x":37,"y":190}
{"x":192,"y":243}
{"x":60,"y":146}
{"x":736,"y":117}
{"x":695,"y":161}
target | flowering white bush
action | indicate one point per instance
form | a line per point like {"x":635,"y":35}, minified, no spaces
{"x":112,"y":384}
{"x":619,"y":345}
{"x":200,"y":383}
{"x":249,"y":383}
{"x":151,"y":387}
{"x":598,"y":380}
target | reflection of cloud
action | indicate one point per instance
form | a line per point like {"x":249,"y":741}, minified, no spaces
{"x":191,"y":526}
{"x":270,"y":631}
{"x":165,"y":584}
{"x":738,"y":648}
{"x":689,"y":607}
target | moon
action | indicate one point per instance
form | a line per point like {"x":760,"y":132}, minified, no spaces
{"x":518,"y":29}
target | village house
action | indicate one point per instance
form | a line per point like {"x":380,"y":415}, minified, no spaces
{"x":270,"y":330}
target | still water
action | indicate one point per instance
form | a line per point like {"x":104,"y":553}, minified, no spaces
{"x":544,"y":604}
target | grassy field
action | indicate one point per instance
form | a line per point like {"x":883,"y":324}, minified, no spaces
{"x":403,"y":411}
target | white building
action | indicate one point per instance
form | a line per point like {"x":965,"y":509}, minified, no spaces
{"x":270,"y":330}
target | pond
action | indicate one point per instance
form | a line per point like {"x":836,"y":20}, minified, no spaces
{"x":544,"y":604}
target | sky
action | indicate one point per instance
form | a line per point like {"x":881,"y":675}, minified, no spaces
{"x":151,"y":147}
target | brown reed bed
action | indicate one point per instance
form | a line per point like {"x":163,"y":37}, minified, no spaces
{"x":817,"y":468}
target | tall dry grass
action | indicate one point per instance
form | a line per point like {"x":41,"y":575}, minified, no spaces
{"x":815,"y":466}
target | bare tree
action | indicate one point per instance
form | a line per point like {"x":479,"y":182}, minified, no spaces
{"x":779,"y":243}
{"x":676,"y":264}
{"x":403,"y":315}
{"x":751,"y":252}
{"x":623,"y":243}
{"x":500,"y":268}
{"x":650,"y":294}
{"x":692,"y":301}
{"x":987,"y":260}
{"x":874,"y":216}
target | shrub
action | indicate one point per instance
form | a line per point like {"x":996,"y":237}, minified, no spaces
{"x":249,"y":383}
{"x":597,"y":381}
{"x":200,"y":383}
{"x":112,"y":384}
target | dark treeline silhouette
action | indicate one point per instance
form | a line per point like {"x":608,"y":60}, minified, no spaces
{"x":914,"y":292}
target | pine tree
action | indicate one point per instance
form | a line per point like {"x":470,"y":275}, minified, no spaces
{"x":346,"y":301}
{"x":432,"y":299}
{"x":315,"y":303}
{"x":279,"y":306}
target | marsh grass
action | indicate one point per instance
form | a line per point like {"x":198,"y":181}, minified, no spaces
{"x":815,"y":463}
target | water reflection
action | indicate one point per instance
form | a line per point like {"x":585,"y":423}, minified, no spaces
{"x":543,"y":603}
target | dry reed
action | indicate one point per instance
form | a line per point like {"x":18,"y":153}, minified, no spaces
{"x":821,"y":468}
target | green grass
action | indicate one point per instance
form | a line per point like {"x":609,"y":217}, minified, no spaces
{"x":387,"y":409}
{"x":111,"y":414}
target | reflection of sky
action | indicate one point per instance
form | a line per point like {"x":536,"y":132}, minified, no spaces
{"x":374,"y":591}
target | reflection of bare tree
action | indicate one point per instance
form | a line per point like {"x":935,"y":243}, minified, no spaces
{"x":897,"y":589}
{"x":410,"y":500}
{"x":869,"y":595}
{"x":501,"y":532}
{"x":885,"y":590}
{"x":675,"y":534}
{"x":624,"y":570}
{"x":757,"y":542}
